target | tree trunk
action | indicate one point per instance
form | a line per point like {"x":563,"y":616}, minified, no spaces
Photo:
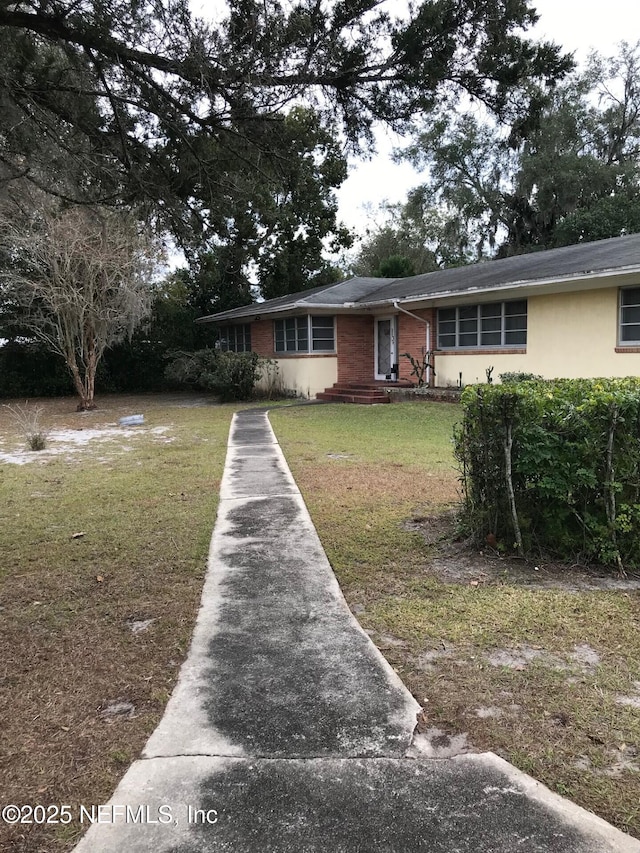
{"x":78,"y":384}
{"x":609,"y":487}
{"x":508,"y":445}
{"x":91,"y":383}
{"x":90,"y":378}
{"x":84,"y":386}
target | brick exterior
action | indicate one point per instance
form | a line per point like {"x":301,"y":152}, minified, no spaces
{"x":355,"y":343}
{"x":412,"y":338}
{"x":262,"y":338}
{"x":355,"y":348}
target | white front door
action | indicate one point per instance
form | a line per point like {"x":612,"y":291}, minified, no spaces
{"x":385,"y":348}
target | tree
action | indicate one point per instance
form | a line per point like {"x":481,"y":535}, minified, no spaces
{"x":395,"y":266}
{"x":139,"y":363}
{"x":387,"y":241}
{"x":153,"y":105}
{"x":282,"y":235}
{"x":217,"y":280}
{"x":469,"y":165}
{"x":573,"y":176}
{"x":200,"y":125}
{"x":82,"y":276}
{"x":579,"y":173}
{"x":413,"y":238}
{"x":275,"y":244}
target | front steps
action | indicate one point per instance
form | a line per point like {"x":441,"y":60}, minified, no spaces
{"x":366,"y":393}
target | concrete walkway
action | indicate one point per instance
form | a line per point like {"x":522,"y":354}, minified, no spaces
{"x":288,"y":731}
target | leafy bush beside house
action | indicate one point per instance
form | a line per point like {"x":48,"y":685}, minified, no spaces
{"x":230,"y":375}
{"x":519,"y":376}
{"x":554,"y":467}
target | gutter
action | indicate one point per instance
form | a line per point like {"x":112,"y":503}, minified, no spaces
{"x":399,"y":307}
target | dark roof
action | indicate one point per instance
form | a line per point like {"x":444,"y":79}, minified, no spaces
{"x":553,"y":264}
{"x":331,"y":295}
{"x":601,"y":256}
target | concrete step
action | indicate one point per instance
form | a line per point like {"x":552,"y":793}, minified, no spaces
{"x":353,"y":396}
{"x":368,"y":386}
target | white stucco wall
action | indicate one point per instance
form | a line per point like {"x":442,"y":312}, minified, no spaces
{"x":473,"y":367}
{"x":575,"y":334}
{"x":308,"y":375}
{"x":569,"y":335}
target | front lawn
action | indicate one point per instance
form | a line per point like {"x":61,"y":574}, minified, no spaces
{"x":103,"y":541}
{"x":104,"y":538}
{"x":542,"y":668}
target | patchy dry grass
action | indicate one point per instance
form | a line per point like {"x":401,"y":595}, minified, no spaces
{"x":94,"y":539}
{"x":370,"y":467}
{"x":549,"y":678}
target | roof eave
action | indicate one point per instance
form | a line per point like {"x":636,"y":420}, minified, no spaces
{"x":516,"y":285}
{"x":256,"y":311}
{"x":364,"y":305}
{"x":223,"y":316}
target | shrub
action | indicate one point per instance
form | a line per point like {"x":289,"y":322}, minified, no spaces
{"x":421,"y":365}
{"x":270,"y":384}
{"x":28,"y":369}
{"x":554,"y":466}
{"x":229,"y":375}
{"x":27,"y":419}
{"x":517,"y":376}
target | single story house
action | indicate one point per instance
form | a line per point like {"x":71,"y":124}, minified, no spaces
{"x":568,"y":312}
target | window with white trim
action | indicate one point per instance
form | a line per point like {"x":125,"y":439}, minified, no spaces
{"x":235,"y":338}
{"x":322,"y":334}
{"x":491,"y":325}
{"x":630,"y":316}
{"x":304,"y":334}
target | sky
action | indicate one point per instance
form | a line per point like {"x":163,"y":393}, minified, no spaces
{"x":578,"y":25}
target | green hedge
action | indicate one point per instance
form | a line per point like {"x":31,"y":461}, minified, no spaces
{"x":29,"y":370}
{"x":554,"y":467}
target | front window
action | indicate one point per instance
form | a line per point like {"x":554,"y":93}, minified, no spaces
{"x":493,"y":324}
{"x":292,"y":335}
{"x":630,"y":315}
{"x":305,"y":334}
{"x":235,"y":338}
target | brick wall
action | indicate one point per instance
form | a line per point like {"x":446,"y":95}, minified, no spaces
{"x":355,"y":343}
{"x":355,"y":348}
{"x":262,"y":338}
{"x":412,"y":338}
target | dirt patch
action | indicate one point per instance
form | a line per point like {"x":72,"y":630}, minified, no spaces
{"x":69,"y":442}
{"x":585,"y":656}
{"x":489,"y":712}
{"x":455,"y":560}
{"x":620,"y":762}
{"x":514,"y":658}
{"x":435,"y":743}
{"x":632,"y":701}
{"x":582,"y":659}
{"x":139,"y":626}
{"x":427,"y":660}
{"x":121,"y":708}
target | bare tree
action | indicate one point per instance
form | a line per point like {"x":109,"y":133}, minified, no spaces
{"x":83,"y":277}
